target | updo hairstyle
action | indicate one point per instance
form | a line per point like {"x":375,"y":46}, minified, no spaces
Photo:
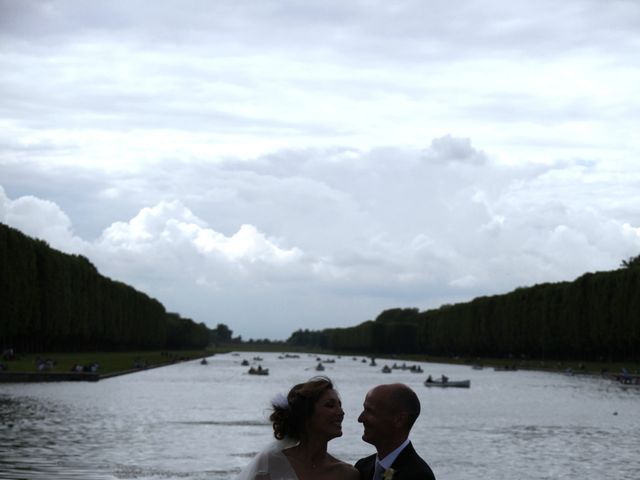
{"x":291,"y":420}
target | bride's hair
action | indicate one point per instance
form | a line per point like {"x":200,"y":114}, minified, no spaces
{"x":290,"y":420}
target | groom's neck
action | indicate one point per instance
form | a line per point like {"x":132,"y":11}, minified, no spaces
{"x":389,"y":447}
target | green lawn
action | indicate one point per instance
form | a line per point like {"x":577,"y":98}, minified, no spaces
{"x":109,"y":362}
{"x":577,"y":366}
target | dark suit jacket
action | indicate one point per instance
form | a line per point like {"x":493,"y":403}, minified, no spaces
{"x":408,"y":466}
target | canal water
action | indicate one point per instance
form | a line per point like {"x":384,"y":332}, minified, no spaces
{"x":192,"y":421}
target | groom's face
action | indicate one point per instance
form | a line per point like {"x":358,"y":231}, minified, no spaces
{"x":376,"y":417}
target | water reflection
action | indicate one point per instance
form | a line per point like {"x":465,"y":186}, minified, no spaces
{"x":196,"y":422}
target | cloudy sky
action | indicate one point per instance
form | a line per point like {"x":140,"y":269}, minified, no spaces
{"x":274,"y":165}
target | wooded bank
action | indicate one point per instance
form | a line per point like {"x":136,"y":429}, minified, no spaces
{"x":52,"y":301}
{"x":595,"y":317}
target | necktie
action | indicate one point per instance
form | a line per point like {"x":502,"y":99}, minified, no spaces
{"x":377,"y":475}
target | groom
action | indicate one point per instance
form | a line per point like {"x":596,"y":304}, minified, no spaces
{"x":388,"y":415}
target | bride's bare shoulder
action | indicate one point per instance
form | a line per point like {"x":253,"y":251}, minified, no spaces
{"x":350,"y":473}
{"x":346,"y":471}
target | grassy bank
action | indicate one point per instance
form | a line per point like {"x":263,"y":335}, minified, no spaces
{"x":108,"y":362}
{"x":577,"y":366}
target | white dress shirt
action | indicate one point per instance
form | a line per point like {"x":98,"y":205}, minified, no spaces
{"x":387,"y":461}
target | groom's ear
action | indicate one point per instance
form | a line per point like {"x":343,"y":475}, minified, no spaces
{"x":401,"y":420}
{"x":398,"y":419}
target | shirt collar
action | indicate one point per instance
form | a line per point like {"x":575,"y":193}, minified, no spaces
{"x":387,"y":461}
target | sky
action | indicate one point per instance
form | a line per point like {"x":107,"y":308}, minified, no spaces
{"x":276,"y":165}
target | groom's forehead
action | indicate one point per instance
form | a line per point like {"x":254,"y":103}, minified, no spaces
{"x":377,"y":398}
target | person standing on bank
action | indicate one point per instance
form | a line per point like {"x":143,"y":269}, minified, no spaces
{"x":387,"y":417}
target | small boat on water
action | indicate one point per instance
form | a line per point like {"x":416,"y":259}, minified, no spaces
{"x":258,"y":371}
{"x":627,"y":379}
{"x":448,"y":383}
{"x":320,"y":367}
{"x":386,"y":369}
{"x":203,"y":361}
{"x":505,"y":368}
{"x":245,"y":363}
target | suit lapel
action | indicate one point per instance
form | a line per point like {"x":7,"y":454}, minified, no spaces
{"x":367,"y":466}
{"x":371,"y":467}
{"x":404,"y":461}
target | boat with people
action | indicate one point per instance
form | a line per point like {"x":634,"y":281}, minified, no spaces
{"x":258,"y":371}
{"x":404,"y":366}
{"x":627,"y":378}
{"x":444,"y":382}
{"x":203,"y":361}
{"x":320,"y":367}
{"x":386,"y":369}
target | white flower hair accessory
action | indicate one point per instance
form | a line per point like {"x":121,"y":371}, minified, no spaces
{"x":280,"y":401}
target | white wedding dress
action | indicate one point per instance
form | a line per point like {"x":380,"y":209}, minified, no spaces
{"x":270,"y":464}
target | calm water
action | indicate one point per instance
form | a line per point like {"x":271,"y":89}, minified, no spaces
{"x":191,"y":421}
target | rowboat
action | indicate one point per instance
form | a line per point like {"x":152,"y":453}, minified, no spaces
{"x":627,"y":379}
{"x":448,"y":383}
{"x":258,"y":371}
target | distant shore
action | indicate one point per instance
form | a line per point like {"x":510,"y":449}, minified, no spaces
{"x":576,"y":366}
{"x":111,"y":364}
{"x":90,"y":366}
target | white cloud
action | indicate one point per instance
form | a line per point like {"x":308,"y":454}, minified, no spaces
{"x":284,"y":160}
{"x":387,"y":227}
{"x":42,"y":219}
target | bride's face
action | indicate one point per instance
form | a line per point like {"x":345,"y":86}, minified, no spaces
{"x":326,"y":420}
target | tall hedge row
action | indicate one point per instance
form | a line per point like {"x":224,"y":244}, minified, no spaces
{"x":52,"y":301}
{"x":597,"y":317}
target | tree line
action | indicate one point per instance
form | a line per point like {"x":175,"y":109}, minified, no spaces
{"x":595,"y":317}
{"x":53,"y":301}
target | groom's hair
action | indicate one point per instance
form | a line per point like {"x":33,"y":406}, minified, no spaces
{"x":405,"y":400}
{"x":290,"y":420}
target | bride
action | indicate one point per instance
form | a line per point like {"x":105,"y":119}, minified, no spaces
{"x":303,"y":423}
